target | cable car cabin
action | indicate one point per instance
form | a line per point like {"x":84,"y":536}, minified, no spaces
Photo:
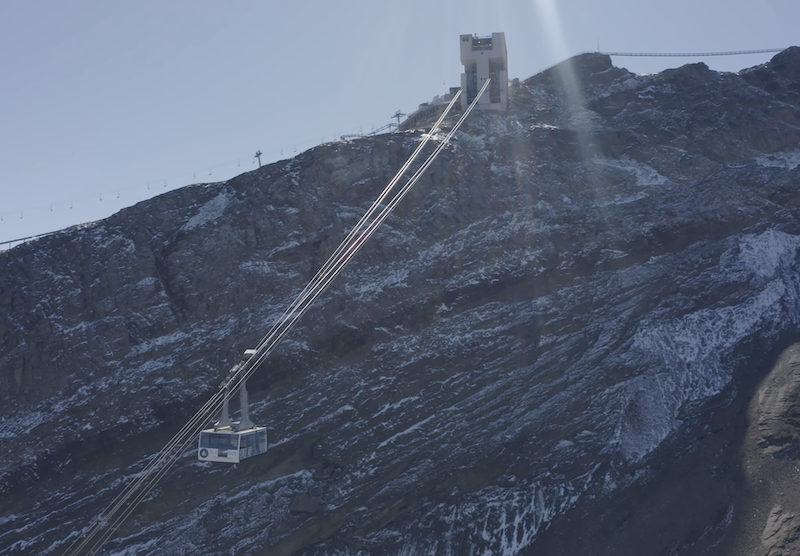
{"x":231,"y":446}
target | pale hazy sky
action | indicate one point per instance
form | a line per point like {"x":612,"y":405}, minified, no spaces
{"x":113,"y":100}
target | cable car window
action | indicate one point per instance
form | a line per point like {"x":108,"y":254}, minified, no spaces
{"x":220,"y":441}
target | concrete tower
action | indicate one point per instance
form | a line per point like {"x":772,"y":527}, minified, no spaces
{"x":484,"y":57}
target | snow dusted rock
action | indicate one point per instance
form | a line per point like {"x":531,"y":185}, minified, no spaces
{"x":549,"y":348}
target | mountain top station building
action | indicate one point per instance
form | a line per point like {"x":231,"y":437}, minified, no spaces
{"x":483,"y":58}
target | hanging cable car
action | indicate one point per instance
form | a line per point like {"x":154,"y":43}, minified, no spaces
{"x":231,"y":441}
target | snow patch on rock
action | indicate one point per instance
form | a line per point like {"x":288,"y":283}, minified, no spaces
{"x":209,"y":212}
{"x":686,"y":356}
{"x":643,"y":175}
{"x":784,"y":161}
{"x":764,"y":253}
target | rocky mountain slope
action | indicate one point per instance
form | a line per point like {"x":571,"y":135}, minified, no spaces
{"x":566,"y":340}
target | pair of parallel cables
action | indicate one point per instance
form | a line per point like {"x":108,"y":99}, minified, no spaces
{"x":106,"y":525}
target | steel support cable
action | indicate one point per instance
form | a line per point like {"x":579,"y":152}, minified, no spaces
{"x":357,"y":228}
{"x":301,"y":303}
{"x":141,"y":494}
{"x":108,"y":521}
{"x":689,"y":54}
{"x":333,"y":269}
{"x":168,"y":456}
{"x":356,"y":246}
{"x":187,"y":431}
{"x":337,"y":266}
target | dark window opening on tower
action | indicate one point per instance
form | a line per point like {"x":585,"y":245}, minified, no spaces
{"x":495,"y":67}
{"x":472,"y":82}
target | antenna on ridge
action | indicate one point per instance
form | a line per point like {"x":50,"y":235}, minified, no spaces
{"x":258,"y":156}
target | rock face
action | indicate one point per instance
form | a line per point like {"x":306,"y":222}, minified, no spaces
{"x":779,"y":404}
{"x":555,"y":344}
{"x":781,"y":530}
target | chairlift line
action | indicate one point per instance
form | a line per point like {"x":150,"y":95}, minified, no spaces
{"x":128,"y":500}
